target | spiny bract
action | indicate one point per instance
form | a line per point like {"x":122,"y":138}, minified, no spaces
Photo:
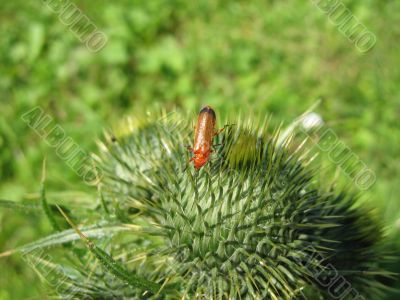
{"x":252,"y":224}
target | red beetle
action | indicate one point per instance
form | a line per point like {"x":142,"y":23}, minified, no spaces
{"x":203,"y":137}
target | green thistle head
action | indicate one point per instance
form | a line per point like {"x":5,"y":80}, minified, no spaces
{"x":252,"y":224}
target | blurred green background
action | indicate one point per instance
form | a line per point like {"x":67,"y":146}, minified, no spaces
{"x":261,"y":56}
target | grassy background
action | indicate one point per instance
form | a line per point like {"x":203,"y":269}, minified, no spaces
{"x":251,"y":56}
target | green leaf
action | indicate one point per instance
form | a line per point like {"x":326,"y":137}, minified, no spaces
{"x":20,"y":206}
{"x":69,"y":235}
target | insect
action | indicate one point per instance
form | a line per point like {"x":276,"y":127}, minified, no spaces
{"x":203,"y":137}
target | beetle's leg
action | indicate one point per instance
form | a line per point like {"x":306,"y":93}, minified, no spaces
{"x":219,"y":131}
{"x":214,"y":146}
{"x":188,"y":163}
{"x":222,"y":129}
{"x":189,"y":148}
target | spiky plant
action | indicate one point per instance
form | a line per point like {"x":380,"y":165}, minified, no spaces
{"x":254,"y":223}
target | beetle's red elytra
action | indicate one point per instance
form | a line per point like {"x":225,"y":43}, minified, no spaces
{"x":203,"y":137}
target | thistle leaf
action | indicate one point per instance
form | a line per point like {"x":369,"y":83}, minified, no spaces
{"x":69,"y":235}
